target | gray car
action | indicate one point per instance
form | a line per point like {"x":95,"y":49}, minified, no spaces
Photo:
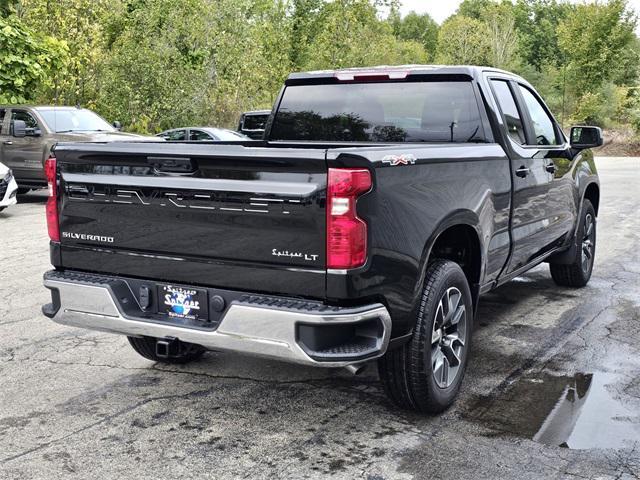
{"x":27,"y":134}
{"x":202,"y":134}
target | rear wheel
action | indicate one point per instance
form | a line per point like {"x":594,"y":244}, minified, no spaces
{"x":426,"y":373}
{"x":185,"y":352}
{"x":578,"y":273}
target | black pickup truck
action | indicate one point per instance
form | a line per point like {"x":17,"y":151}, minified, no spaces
{"x":382,"y":203}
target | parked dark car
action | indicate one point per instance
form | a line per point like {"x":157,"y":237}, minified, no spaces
{"x":201,"y":134}
{"x":27,"y":134}
{"x":253,"y":123}
{"x":383,"y":203}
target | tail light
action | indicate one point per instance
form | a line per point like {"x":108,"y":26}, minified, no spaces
{"x":52,"y":201}
{"x":346,"y":232}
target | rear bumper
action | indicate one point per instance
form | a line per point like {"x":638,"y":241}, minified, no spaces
{"x":274,"y":327}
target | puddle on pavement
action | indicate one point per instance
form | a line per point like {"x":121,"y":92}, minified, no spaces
{"x":577,"y":412}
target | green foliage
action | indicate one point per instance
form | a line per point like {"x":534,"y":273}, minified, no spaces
{"x":419,"y":28}
{"x":537,"y":22}
{"x":351,"y":35}
{"x":500,"y":20}
{"x":156,"y":64}
{"x":80,"y":23}
{"x":593,"y":40}
{"x":25,"y":60}
{"x":463,"y":40}
{"x":473,"y":8}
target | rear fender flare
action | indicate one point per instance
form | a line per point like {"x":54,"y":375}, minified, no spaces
{"x":459,"y":217}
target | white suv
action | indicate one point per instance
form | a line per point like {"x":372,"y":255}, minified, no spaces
{"x":8,"y":187}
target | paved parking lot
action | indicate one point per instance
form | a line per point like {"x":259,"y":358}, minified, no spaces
{"x":553,"y":388}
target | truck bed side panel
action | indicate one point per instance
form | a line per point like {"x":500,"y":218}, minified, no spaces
{"x":411,"y":204}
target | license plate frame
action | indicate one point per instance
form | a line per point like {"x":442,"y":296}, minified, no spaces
{"x":183,"y":303}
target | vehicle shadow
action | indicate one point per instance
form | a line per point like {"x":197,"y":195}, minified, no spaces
{"x":499,"y":312}
{"x":39,"y":196}
{"x":233,"y":406}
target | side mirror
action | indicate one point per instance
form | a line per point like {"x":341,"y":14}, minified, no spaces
{"x":33,"y":132}
{"x":19,"y":128}
{"x":586,"y":137}
{"x":117,"y":125}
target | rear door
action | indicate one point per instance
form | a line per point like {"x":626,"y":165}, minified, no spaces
{"x":549,"y":144}
{"x":226,"y":216}
{"x":532,"y":214}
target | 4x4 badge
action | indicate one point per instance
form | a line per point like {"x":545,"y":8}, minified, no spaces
{"x":404,"y":159}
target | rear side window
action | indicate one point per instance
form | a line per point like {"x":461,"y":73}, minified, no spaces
{"x":512,"y":119}
{"x":175,"y":135}
{"x":199,"y":136}
{"x":380,"y":112}
{"x":254,"y":122}
{"x":543,"y":128}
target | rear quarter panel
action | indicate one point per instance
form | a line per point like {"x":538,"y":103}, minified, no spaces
{"x":410,"y":205}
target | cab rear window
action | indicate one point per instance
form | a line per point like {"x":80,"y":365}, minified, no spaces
{"x":380,"y":112}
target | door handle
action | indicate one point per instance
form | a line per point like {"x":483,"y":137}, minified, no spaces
{"x":7,"y":142}
{"x":523,"y":171}
{"x":551,"y":168}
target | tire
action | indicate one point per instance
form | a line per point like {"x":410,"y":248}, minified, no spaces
{"x":23,"y":190}
{"x":578,"y":273}
{"x":146,"y":346}
{"x":2,"y":208}
{"x":407,"y":372}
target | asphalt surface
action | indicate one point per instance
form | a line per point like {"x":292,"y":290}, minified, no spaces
{"x":553,"y":388}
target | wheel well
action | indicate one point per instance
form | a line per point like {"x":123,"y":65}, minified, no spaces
{"x":592,"y":193}
{"x":460,"y":244}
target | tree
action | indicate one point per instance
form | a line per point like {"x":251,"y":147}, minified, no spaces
{"x":473,"y":8}
{"x":463,"y":40}
{"x":304,"y":28}
{"x":537,"y":22}
{"x":503,"y":37}
{"x":419,"y":28}
{"x":352,"y":35}
{"x":80,"y":23}
{"x":594,"y":40}
{"x":26,"y":60}
{"x":192,"y":62}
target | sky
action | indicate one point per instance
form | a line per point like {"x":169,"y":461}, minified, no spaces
{"x":441,"y":9}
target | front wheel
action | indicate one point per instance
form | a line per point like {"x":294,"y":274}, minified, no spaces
{"x":578,"y":273}
{"x":426,"y":373}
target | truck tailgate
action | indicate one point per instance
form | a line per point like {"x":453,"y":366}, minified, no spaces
{"x":221,"y":215}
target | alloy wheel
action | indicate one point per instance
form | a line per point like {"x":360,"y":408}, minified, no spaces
{"x":588,"y":243}
{"x":448,"y":337}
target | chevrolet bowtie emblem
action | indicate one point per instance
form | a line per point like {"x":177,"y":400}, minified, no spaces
{"x":404,"y":159}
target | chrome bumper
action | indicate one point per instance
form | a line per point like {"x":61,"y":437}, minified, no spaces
{"x":256,"y":330}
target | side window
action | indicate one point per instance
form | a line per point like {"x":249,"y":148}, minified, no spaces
{"x":24,"y":116}
{"x":176,"y":135}
{"x":543,"y":128}
{"x":510,"y":112}
{"x":2,"y":112}
{"x":199,"y":136}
